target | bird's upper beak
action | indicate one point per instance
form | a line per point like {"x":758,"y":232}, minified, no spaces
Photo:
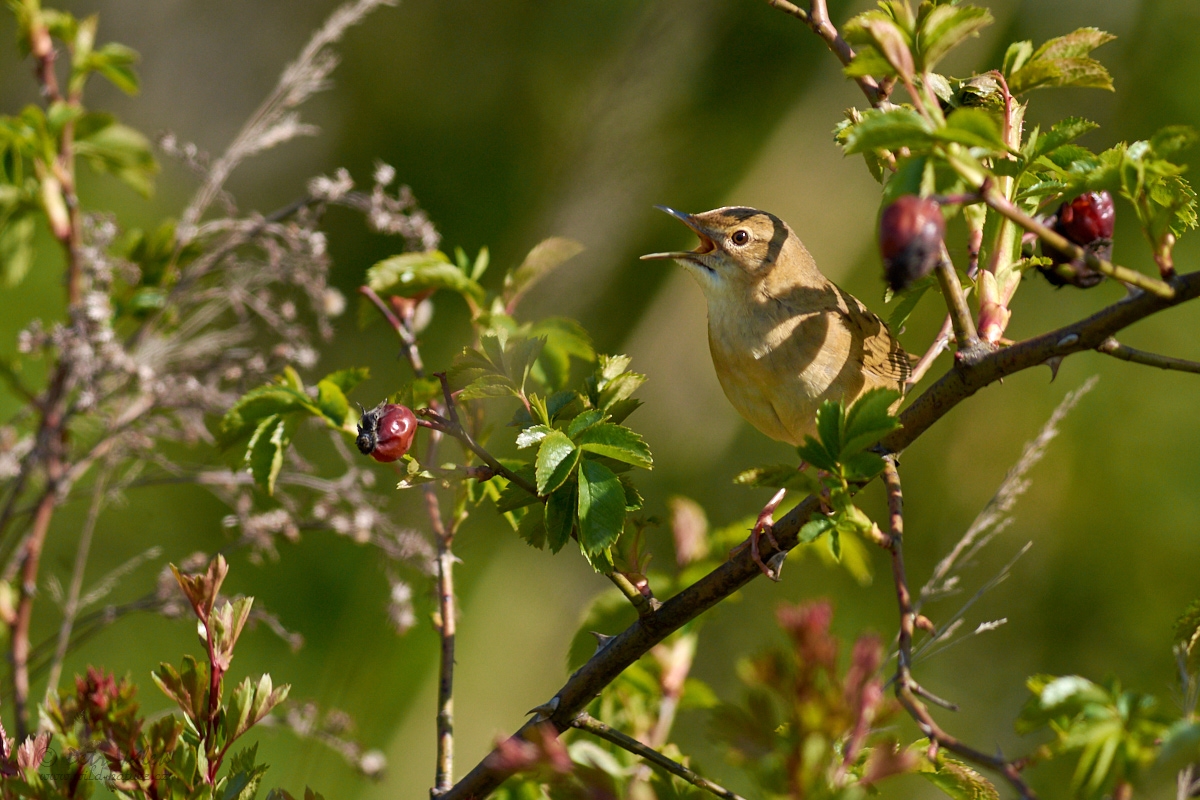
{"x":706,"y":243}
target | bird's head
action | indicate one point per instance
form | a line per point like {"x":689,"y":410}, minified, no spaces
{"x":739,"y":248}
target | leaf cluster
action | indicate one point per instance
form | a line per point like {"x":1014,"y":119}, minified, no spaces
{"x":1116,"y":733}
{"x":184,"y":757}
{"x":260,"y":425}
{"x":30,"y":142}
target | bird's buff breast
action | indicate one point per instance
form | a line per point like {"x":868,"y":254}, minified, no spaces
{"x":777,"y":373}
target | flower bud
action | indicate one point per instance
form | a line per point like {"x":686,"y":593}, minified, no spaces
{"x":910,"y":239}
{"x":1087,"y":221}
{"x":386,"y":432}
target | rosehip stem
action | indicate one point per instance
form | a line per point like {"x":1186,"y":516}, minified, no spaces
{"x":586,"y":722}
{"x":1077,"y":253}
{"x":411,"y":352}
{"x":956,"y":302}
{"x":427,"y":418}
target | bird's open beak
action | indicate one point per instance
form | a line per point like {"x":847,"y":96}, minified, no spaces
{"x":706,"y":243}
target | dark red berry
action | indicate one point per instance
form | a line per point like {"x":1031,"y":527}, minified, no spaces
{"x":386,"y":431}
{"x":1087,"y":218}
{"x":1086,"y":221}
{"x":910,"y":239}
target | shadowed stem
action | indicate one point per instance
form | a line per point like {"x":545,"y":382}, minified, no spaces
{"x":586,"y":722}
{"x":907,"y":689}
{"x":1115,"y":349}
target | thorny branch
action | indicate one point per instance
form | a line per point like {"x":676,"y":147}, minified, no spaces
{"x":907,"y":689}
{"x":586,"y":722}
{"x":957,"y":384}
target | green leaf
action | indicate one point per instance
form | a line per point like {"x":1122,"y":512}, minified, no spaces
{"x":411,"y":273}
{"x":830,"y":426}
{"x":944,"y":28}
{"x":481,"y":264}
{"x":869,"y":419}
{"x":1063,"y":132}
{"x":619,"y":389}
{"x":348,"y":379}
{"x":489,"y":386}
{"x":615,"y":441}
{"x":814,"y":528}
{"x":863,"y":465}
{"x":776,"y":476}
{"x":332,"y":403}
{"x":532,"y":435}
{"x":907,"y":304}
{"x":1081,"y":72}
{"x":264,"y":453}
{"x":559,"y":515}
{"x":556,"y":459}
{"x":584,"y":421}
{"x":16,"y":247}
{"x":1015,"y":56}
{"x":877,"y":30}
{"x":115,"y":62}
{"x":244,"y":776}
{"x":565,"y":339}
{"x":1078,"y":43}
{"x":959,"y":781}
{"x":1173,"y":140}
{"x":243,"y":419}
{"x":889,"y":130}
{"x":972,"y":127}
{"x":814,"y":453}
{"x":601,"y":507}
{"x":532,"y":529}
{"x":512,"y":496}
{"x":118,"y":149}
{"x":1063,"y":61}
{"x":542,"y":259}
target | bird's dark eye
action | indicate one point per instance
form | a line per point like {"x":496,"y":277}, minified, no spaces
{"x":740,"y":237}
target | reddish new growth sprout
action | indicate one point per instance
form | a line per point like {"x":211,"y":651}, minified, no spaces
{"x":1087,"y":221}
{"x":386,"y":431}
{"x":910,"y":239}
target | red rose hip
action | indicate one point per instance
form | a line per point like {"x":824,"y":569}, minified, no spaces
{"x":386,"y":431}
{"x":1087,"y":221}
{"x":1087,"y":218}
{"x":910,"y":239}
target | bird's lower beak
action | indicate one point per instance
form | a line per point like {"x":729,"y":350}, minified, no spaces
{"x":706,"y":243}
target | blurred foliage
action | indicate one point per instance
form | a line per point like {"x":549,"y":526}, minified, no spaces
{"x":488,"y":157}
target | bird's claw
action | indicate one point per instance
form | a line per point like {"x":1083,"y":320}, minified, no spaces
{"x":763,"y":527}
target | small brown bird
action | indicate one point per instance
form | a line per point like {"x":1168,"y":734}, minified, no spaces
{"x":783,"y":337}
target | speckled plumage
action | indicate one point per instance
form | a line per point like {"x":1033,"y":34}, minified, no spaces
{"x":783,"y":337}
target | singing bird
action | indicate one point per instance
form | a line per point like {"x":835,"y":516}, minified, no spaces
{"x":783,"y":337}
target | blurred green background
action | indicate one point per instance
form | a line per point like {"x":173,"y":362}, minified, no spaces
{"x":514,"y":120}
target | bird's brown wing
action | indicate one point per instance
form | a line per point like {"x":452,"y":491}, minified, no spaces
{"x":885,"y":363}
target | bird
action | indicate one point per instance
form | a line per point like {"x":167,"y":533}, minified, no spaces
{"x":783,"y":337}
